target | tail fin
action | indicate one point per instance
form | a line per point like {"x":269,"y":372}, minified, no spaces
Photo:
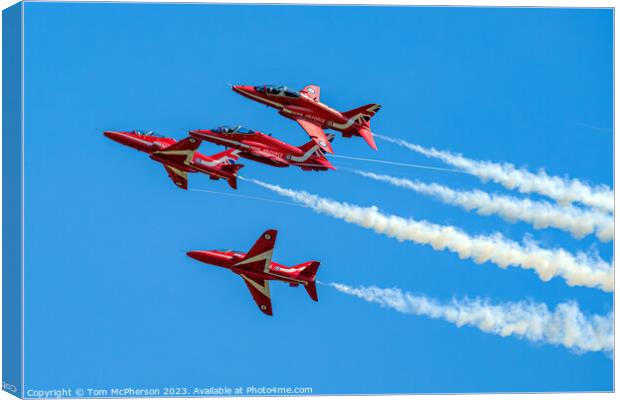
{"x":232,"y":169}
{"x":362,"y":116}
{"x":226,"y":157}
{"x":364,"y":113}
{"x":308,"y":273}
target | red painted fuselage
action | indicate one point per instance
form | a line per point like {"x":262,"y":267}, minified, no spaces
{"x":180,"y":158}
{"x":257,"y":269}
{"x":266,"y":149}
{"x":313,"y":116}
{"x":231,"y":259}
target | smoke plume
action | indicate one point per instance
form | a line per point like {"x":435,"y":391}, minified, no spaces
{"x":541,"y":214}
{"x":566,"y":325}
{"x":563,"y":190}
{"x":578,"y":270}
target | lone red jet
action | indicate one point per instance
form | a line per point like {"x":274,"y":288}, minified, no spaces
{"x":313,"y":116}
{"x":257,"y":269}
{"x":180,"y":158}
{"x":265,"y":149}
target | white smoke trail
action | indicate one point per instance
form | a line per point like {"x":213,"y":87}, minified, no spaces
{"x":566,"y":325}
{"x":540,"y":214}
{"x":578,"y":270}
{"x":562,"y":190}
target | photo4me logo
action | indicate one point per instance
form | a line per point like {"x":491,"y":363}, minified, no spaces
{"x":266,"y":390}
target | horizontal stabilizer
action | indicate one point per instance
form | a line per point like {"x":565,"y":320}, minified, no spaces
{"x":227,"y":156}
{"x":364,"y":112}
{"x":232,"y":169}
{"x":368,"y":137}
{"x":311,"y":289}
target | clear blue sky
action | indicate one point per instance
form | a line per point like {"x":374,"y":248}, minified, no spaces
{"x":112,"y":300}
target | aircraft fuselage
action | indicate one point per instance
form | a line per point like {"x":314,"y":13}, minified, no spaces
{"x":231,"y":260}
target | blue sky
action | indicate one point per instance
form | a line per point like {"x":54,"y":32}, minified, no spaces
{"x":113,"y":301}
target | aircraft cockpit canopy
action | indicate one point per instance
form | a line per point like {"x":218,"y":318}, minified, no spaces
{"x":229,"y":251}
{"x":148,"y":133}
{"x":233,"y":129}
{"x":277,"y":91}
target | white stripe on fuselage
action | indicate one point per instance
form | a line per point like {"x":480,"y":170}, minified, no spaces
{"x":136,"y":139}
{"x":262,"y":99}
{"x":306,"y":156}
{"x":230,"y":141}
{"x":316,"y":120}
{"x":308,"y":117}
{"x":301,"y":158}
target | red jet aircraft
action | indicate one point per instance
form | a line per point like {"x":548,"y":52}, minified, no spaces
{"x":180,"y":158}
{"x":313,"y":116}
{"x":257,"y":269}
{"x":265,"y":149}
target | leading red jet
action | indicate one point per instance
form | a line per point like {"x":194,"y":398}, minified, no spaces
{"x":180,"y":158}
{"x":257,"y":269}
{"x":313,"y":116}
{"x":266,"y":149}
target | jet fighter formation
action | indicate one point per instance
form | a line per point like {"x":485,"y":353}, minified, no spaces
{"x":180,"y":158}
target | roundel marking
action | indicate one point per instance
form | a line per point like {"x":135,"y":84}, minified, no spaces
{"x":310,"y":90}
{"x":322,"y":143}
{"x":192,"y":140}
{"x":263,"y":307}
{"x":267,"y":236}
{"x":179,"y":183}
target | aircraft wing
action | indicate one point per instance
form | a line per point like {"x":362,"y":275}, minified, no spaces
{"x":317,"y":134}
{"x":259,"y":257}
{"x":178,"y":177}
{"x":260,"y":292}
{"x":181,"y":152}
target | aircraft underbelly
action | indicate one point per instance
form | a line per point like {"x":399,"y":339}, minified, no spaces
{"x":251,"y":273}
{"x":264,"y":160}
{"x":176,"y":165}
{"x":207,"y":170}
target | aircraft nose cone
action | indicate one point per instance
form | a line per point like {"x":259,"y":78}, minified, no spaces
{"x":204,"y":256}
{"x":241,"y":88}
{"x":116,"y":136}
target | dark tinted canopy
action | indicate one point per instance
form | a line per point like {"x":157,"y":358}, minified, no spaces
{"x":147,"y":133}
{"x":277,"y":90}
{"x":233,"y":129}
